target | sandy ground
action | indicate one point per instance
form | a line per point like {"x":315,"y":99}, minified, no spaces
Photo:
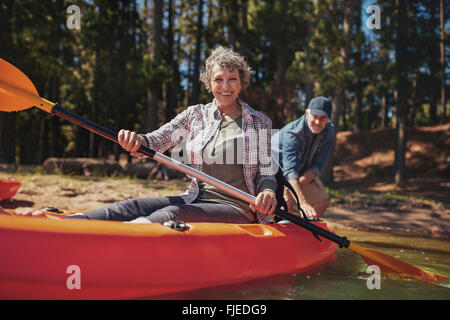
{"x":422,"y":223}
{"x":364,"y":163}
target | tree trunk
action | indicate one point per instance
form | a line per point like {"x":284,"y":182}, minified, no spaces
{"x":384,"y":110}
{"x":312,"y":30}
{"x":357,"y":102}
{"x":400,"y":151}
{"x":340,"y":92}
{"x":95,"y":101}
{"x":402,"y":99}
{"x":327,"y":171}
{"x":7,"y":120}
{"x":344,"y":57}
{"x":344,"y":116}
{"x":433,"y":107}
{"x":54,"y":89}
{"x":433,"y":62}
{"x":4,"y":157}
{"x":154,"y":92}
{"x":443,"y":85}
{"x":358,"y":125}
{"x":7,"y":137}
{"x":171,"y":87}
{"x":338,"y":106}
{"x":190,"y":77}
{"x":309,"y":93}
{"x":198,"y":47}
{"x":244,"y":27}
{"x":54,"y":121}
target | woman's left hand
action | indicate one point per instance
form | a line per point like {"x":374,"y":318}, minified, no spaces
{"x":265,"y":202}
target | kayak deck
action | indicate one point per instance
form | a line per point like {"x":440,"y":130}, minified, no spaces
{"x":126,"y":261}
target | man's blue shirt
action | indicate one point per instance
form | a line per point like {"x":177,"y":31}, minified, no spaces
{"x":293,"y":144}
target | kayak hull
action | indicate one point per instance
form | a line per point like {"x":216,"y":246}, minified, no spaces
{"x":77,"y":259}
{"x":8,"y":188}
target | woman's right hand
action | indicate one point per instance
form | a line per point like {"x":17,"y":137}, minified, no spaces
{"x":130,"y":141}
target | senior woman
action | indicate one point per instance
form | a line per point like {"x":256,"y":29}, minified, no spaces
{"x":225,"y":138}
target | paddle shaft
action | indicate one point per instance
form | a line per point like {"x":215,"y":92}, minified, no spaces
{"x":235,"y":192}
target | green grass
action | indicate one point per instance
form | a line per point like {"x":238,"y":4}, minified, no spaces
{"x":403,"y":198}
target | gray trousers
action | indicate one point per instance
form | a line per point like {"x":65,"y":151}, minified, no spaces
{"x":163,"y":209}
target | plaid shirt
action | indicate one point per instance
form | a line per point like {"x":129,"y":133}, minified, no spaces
{"x":198,"y":124}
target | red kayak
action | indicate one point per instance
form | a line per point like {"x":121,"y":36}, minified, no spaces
{"x":8,"y":188}
{"x":45,"y":258}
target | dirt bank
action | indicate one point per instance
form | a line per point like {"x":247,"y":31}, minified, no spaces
{"x":365,"y":196}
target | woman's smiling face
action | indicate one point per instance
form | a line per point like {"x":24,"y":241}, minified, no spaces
{"x":225,"y":85}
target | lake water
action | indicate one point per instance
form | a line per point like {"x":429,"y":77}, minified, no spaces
{"x":346,"y":277}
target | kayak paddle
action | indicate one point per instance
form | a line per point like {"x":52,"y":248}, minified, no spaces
{"x":17,"y":92}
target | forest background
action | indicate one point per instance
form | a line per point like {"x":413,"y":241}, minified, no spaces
{"x":136,"y":64}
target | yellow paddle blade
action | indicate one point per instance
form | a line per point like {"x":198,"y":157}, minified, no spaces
{"x":389,"y":264}
{"x":17,"y":92}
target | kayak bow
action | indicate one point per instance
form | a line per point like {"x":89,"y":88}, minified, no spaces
{"x":125,"y":261}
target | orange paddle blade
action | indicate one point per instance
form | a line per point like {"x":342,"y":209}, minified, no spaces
{"x":389,"y":264}
{"x":17,"y":92}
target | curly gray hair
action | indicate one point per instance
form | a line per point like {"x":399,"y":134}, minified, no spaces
{"x":225,"y":57}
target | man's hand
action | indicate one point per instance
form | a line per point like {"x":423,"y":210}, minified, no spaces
{"x":309,"y":211}
{"x":306,"y":178}
{"x":289,"y":198}
{"x":298,"y":185}
{"x":290,"y":201}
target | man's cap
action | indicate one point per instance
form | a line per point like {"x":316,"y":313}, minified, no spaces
{"x":320,"y":106}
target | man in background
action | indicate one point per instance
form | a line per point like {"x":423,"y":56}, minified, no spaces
{"x":301,"y":149}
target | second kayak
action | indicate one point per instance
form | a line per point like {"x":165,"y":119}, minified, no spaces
{"x":8,"y":188}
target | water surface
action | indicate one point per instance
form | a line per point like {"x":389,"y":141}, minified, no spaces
{"x":346,"y":277}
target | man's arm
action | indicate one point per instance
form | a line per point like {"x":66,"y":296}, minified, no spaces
{"x":306,"y":178}
{"x":298,"y":185}
{"x":289,"y":155}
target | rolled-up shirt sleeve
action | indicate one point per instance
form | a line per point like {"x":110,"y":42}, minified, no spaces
{"x":315,"y":170}
{"x":268,"y":185}
{"x":291,"y":163}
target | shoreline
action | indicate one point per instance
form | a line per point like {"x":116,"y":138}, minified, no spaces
{"x":351,"y":211}
{"x":417,"y":224}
